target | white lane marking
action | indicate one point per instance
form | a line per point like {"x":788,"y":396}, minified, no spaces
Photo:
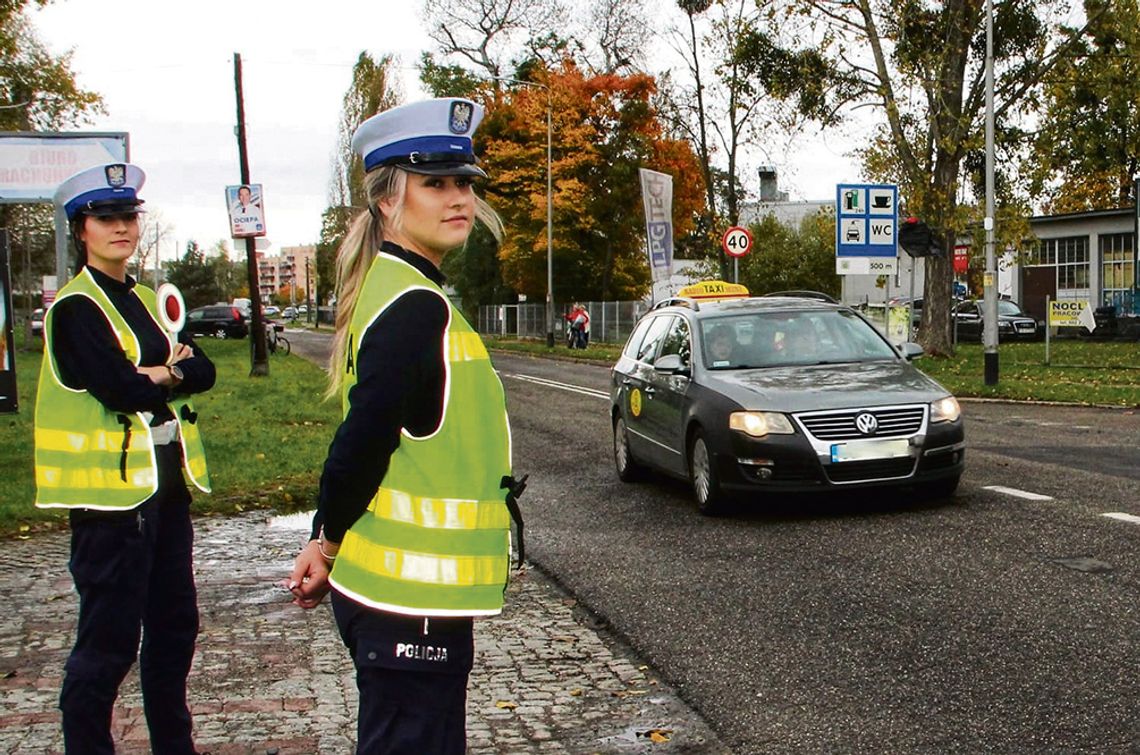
{"x":561,"y":386}
{"x":1018,"y":493}
{"x":1123,"y":517}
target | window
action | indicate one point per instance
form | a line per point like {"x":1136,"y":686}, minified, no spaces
{"x":1118,"y":269}
{"x":653,"y":338}
{"x":677,"y":341}
{"x":635,"y":338}
{"x":1070,"y":256}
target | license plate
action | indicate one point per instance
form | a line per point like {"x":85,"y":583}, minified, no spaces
{"x":861,"y":450}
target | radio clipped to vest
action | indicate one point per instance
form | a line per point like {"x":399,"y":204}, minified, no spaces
{"x":515,"y":489}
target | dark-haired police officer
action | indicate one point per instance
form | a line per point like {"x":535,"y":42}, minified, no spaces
{"x":412,"y":505}
{"x":115,"y":430}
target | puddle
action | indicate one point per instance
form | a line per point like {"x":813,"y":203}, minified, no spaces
{"x":302,"y":520}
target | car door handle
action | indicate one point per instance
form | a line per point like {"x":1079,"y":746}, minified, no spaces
{"x":627,"y":382}
{"x":650,"y":391}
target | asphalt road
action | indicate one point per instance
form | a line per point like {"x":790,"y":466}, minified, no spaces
{"x":989,"y":622}
{"x":985,"y":623}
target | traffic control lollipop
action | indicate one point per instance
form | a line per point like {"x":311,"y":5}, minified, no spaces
{"x":171,"y":311}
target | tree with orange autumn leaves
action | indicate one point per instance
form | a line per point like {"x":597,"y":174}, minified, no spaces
{"x":604,"y":129}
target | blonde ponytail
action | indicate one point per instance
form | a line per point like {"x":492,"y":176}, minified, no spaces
{"x":354,"y":257}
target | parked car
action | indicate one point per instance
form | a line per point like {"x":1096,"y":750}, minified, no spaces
{"x":38,"y":322}
{"x":271,"y":311}
{"x":1013,"y":323}
{"x":770,"y":395}
{"x":218,"y":320}
{"x":289,"y":313}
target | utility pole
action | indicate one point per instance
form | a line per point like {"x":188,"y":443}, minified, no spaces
{"x":259,"y":356}
{"x":989,"y":280}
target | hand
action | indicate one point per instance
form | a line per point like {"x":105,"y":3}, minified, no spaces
{"x":309,"y":580}
{"x":158,"y":374}
{"x":181,"y":351}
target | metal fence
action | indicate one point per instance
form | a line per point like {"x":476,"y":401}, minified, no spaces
{"x":610,"y":321}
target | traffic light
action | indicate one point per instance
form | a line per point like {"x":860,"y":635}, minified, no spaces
{"x":917,"y":240}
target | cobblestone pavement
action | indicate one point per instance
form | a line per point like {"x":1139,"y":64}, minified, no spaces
{"x":269,"y":677}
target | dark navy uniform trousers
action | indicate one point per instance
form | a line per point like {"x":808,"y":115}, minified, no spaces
{"x":412,"y":679}
{"x":134,"y":574}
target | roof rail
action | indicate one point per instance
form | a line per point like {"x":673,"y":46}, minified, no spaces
{"x":805,"y":294}
{"x":677,"y":301}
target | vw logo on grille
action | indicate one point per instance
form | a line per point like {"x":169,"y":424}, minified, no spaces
{"x":866,"y":423}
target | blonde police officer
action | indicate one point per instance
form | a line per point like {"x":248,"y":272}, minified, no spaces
{"x":115,"y":430}
{"x":412,"y":520}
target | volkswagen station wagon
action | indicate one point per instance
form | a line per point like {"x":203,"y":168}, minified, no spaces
{"x":749,"y":397}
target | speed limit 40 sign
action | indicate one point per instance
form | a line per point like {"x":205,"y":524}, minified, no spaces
{"x":737,"y":241}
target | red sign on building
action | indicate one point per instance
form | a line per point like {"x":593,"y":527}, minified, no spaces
{"x":961,"y":259}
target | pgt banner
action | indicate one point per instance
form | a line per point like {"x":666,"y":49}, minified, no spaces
{"x":8,"y":403}
{"x":657,"y":196}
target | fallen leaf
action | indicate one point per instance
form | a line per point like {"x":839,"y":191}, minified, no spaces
{"x":506,"y":705}
{"x":576,"y":692}
{"x":659,"y":735}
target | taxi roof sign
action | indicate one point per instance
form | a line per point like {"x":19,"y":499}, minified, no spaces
{"x":713,"y":290}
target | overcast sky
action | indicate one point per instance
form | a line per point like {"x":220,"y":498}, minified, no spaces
{"x":165,"y":71}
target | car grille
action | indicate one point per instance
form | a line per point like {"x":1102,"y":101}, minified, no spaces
{"x":893,"y":422}
{"x":877,"y":469}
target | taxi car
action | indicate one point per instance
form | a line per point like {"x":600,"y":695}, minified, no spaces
{"x":744,"y":396}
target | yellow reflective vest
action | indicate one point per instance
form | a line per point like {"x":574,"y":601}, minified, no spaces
{"x":88,"y":456}
{"x":435,"y":540}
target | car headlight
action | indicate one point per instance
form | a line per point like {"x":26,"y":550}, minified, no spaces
{"x":759,"y":424}
{"x":945,"y":410}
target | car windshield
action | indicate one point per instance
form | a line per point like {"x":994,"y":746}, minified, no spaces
{"x":1006,"y":307}
{"x":774,"y":339}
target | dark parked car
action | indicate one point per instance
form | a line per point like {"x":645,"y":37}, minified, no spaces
{"x":769,"y":395}
{"x":218,"y":320}
{"x":1013,"y":323}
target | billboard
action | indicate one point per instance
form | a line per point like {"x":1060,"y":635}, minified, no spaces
{"x":33,"y":165}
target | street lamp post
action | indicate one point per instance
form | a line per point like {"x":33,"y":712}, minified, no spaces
{"x":549,"y":210}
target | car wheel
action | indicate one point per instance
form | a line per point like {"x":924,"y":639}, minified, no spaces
{"x":940,"y":488}
{"x":628,"y":469}
{"x":221,"y":333}
{"x":704,"y":478}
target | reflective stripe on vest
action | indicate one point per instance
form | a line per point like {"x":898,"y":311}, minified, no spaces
{"x":86,"y":455}
{"x":435,"y":540}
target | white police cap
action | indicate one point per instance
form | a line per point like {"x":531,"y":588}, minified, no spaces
{"x":102,"y":190}
{"x":432,"y":137}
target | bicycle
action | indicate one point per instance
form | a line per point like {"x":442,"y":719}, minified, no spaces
{"x":274,"y":341}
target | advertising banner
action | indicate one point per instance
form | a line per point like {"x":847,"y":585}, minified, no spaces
{"x":8,"y":402}
{"x":247,"y":213}
{"x":657,"y":196}
{"x":32,"y":166}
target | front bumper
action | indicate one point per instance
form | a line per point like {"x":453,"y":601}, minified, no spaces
{"x":795,"y":463}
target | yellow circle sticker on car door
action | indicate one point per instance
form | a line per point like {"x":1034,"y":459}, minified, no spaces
{"x":635,"y":402}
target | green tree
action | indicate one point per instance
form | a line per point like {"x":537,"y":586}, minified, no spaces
{"x":374,"y":89}
{"x":38,"y":92}
{"x":228,"y":275}
{"x":787,"y":258}
{"x":1087,"y":148}
{"x":921,"y":65}
{"x":195,"y":277}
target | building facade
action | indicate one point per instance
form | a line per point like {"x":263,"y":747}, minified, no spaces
{"x":296,"y":265}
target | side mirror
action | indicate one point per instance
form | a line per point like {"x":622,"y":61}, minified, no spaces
{"x":911,"y":350}
{"x":671,"y":364}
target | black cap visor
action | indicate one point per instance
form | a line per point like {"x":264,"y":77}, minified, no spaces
{"x":444,"y":169}
{"x":106,"y":207}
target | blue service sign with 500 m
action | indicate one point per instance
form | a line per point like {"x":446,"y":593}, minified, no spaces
{"x":866,"y":221}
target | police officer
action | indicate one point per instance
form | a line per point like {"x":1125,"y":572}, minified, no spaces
{"x":411,"y":518}
{"x":115,"y":429}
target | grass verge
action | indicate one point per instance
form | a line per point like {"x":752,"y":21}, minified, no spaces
{"x":265,"y":438}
